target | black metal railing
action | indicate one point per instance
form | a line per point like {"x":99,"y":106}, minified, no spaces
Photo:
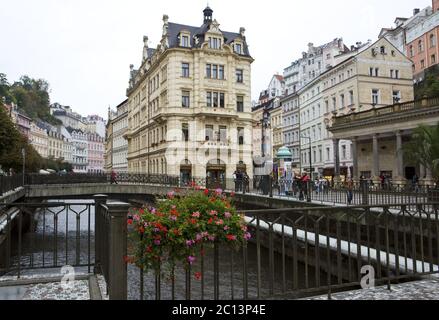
{"x":10,"y":183}
{"x":46,"y":235}
{"x":303,"y":252}
{"x":293,"y":253}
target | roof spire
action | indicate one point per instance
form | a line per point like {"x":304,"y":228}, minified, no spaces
{"x":208,"y":13}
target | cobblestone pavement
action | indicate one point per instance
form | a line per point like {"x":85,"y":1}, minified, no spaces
{"x":36,"y":289}
{"x":419,"y":290}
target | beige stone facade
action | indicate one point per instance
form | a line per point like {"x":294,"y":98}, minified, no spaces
{"x":190,"y":104}
{"x":378,"y":136}
{"x":377,"y":76}
{"x":39,"y":140}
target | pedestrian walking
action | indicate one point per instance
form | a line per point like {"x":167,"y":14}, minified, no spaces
{"x":350,"y":191}
{"x":113,"y":177}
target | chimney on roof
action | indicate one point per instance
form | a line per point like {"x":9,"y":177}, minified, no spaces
{"x":145,"y":48}
{"x":242,"y":32}
{"x":416,"y":11}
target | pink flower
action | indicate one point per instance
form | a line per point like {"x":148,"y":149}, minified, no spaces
{"x":189,"y":243}
{"x":219,"y":222}
{"x":231,"y":237}
{"x":157,"y":242}
{"x":226,"y":228}
{"x":191,"y":259}
{"x":213,"y":213}
{"x":196,"y":215}
{"x":136,"y":217}
{"x":228,"y":215}
{"x":211,"y":238}
{"x":247,"y":236}
{"x":199,"y":237}
{"x":219,"y":191}
{"x":153,"y":210}
{"x":173,"y":218}
{"x":171,"y":195}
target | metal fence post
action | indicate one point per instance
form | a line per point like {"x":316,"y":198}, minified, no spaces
{"x":99,"y":223}
{"x":118,"y":212}
{"x":270,"y":185}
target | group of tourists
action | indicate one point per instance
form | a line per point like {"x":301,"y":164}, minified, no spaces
{"x":242,"y":181}
{"x":8,"y":173}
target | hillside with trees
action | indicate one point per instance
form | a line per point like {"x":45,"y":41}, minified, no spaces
{"x":11,"y":144}
{"x":31,"y":96}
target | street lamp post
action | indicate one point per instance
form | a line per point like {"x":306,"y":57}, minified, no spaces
{"x":23,"y":152}
{"x":310,"y":167}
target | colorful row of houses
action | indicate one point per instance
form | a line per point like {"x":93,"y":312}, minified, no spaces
{"x":76,"y":143}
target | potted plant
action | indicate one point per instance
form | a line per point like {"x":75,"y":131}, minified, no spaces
{"x":182,"y":226}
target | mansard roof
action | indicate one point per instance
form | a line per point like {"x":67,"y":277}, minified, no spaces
{"x":174,"y":30}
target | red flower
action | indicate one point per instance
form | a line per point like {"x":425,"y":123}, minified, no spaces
{"x":233,"y":194}
{"x":194,"y":221}
{"x":130,"y":221}
{"x":141,"y":230}
{"x":231,"y":237}
{"x":149,"y":249}
{"x":198,"y":276}
{"x":206,"y":192}
{"x":210,"y":221}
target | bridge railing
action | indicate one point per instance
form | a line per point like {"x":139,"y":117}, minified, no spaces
{"x":10,"y":183}
{"x":293,"y":252}
{"x":296,"y":253}
{"x":46,"y":236}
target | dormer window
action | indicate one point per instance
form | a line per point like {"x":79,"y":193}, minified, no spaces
{"x":214,"y":43}
{"x":185,"y":41}
{"x":238,"y":48}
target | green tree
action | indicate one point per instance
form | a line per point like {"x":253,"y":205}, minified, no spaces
{"x":11,"y":144}
{"x":423,"y":148}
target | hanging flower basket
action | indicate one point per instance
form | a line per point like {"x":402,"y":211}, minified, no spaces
{"x":181,"y":226}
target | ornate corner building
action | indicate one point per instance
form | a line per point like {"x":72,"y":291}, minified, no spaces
{"x":189,"y":103}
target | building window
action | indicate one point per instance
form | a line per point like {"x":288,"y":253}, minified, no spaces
{"x":351,"y":97}
{"x":215,"y":99}
{"x":185,"y":99}
{"x":238,"y":48}
{"x":377,"y":70}
{"x":342,"y":100}
{"x":185,"y":41}
{"x":209,"y":133}
{"x":433,"y":58}
{"x":396,"y":96}
{"x":432,"y":40}
{"x":375,"y":96}
{"x":239,"y":75}
{"x":411,"y":52}
{"x":240,"y":103}
{"x":185,"y":131}
{"x":343,"y":152}
{"x":214,"y":43}
{"x":222,"y":137}
{"x":383,"y":50}
{"x":420,"y":46}
{"x":214,"y":71}
{"x":185,"y":70}
{"x":240,"y":136}
{"x":422,"y":63}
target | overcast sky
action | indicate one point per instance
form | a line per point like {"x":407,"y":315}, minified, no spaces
{"x":83,"y":48}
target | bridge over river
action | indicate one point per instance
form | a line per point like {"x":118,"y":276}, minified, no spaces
{"x":304,"y":243}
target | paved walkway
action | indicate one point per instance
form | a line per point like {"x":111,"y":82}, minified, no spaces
{"x":419,"y":290}
{"x":48,"y":286}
